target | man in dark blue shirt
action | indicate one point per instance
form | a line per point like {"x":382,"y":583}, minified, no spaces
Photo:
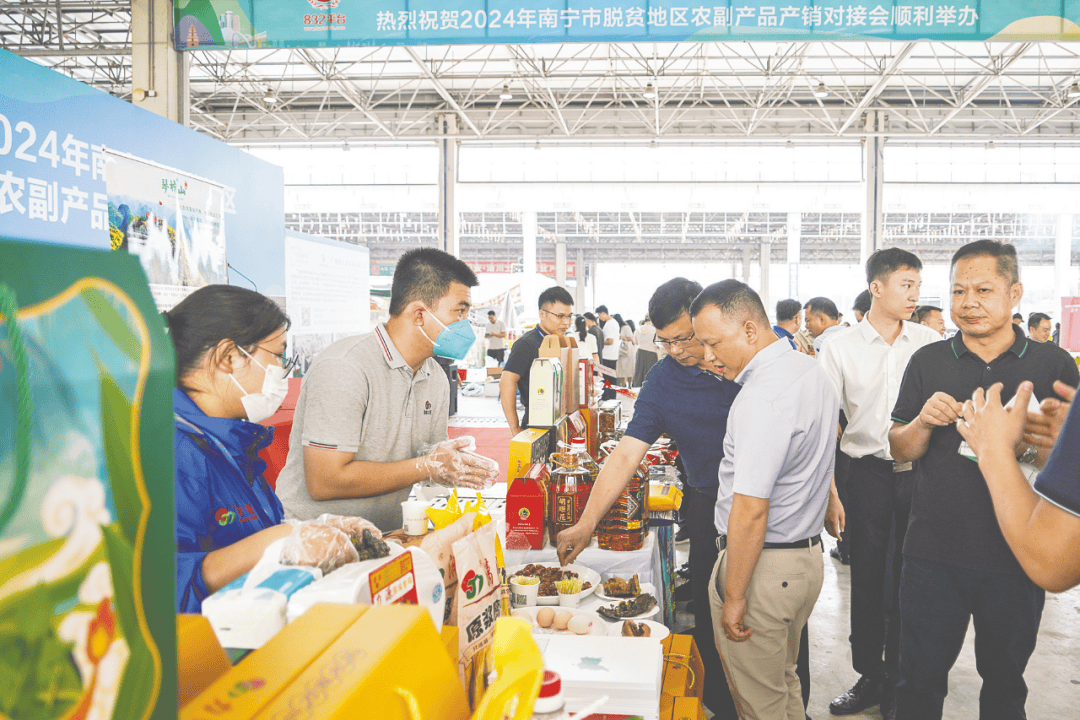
{"x":686,"y":399}
{"x":788,"y":320}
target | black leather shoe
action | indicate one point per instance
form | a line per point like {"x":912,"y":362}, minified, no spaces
{"x":837,"y":555}
{"x":866,"y":694}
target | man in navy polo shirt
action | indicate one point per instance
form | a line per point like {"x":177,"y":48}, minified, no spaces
{"x":958,"y":568}
{"x":1042,"y":526}
{"x":686,"y":399}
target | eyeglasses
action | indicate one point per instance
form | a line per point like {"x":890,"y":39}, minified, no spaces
{"x":286,"y":362}
{"x":681,"y":343}
{"x":561,"y":317}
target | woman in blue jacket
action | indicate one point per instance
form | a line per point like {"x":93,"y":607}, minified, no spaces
{"x":231,"y":374}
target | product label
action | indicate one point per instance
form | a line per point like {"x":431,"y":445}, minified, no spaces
{"x":564,"y":509}
{"x":394,"y":582}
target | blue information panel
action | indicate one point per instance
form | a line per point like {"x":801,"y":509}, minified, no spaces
{"x":328,"y":23}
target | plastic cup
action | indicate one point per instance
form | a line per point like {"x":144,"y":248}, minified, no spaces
{"x":522,"y":592}
{"x":570,"y":600}
{"x":414,"y":515}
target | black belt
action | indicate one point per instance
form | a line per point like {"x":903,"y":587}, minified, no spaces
{"x":892,"y":465}
{"x":721,"y":544}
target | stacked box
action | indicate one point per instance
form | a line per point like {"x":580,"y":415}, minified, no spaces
{"x":545,"y":392}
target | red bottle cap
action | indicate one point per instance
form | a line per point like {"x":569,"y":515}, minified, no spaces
{"x":552,"y":684}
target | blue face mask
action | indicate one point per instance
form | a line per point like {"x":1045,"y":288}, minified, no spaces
{"x":454,"y":341}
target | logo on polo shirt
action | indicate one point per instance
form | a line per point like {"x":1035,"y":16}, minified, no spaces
{"x":224,"y":516}
{"x":427,"y":407}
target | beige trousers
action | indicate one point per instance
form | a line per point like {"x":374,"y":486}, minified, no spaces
{"x":781,"y":595}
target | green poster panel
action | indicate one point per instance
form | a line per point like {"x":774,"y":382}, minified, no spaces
{"x":87,"y":540}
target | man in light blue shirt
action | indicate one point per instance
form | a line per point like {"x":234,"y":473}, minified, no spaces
{"x":775,"y":488}
{"x":822,"y":320}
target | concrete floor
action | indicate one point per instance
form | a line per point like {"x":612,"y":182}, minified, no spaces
{"x":1053,"y":674}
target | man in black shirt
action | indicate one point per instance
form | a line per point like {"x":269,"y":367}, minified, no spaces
{"x":556,"y":311}
{"x":957,"y":565}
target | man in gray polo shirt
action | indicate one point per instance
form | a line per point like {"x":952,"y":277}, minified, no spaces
{"x":372,"y":406}
{"x":775,"y":488}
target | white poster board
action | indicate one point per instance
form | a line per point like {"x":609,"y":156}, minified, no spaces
{"x":173,"y":221}
{"x":326,"y":293}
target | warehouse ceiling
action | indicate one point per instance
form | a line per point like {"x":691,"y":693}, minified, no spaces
{"x":582,"y":93}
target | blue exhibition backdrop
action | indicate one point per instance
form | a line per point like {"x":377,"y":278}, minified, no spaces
{"x":52,"y":186}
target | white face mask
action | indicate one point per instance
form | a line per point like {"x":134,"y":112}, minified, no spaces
{"x":275,"y":387}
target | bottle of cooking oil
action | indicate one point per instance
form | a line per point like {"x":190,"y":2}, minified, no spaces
{"x":624,"y":525}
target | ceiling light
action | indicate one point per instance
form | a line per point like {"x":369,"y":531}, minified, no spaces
{"x":1074,"y":91}
{"x":270,"y":98}
{"x":650,"y":92}
{"x":654,"y":144}
{"x":989,"y":144}
{"x":822,"y":91}
{"x":790,"y":145}
{"x":505,"y":94}
{"x":537,"y":145}
{"x":346,"y":147}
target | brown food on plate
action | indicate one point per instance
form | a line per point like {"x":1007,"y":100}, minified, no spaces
{"x":617,"y":587}
{"x":548,"y":577}
{"x":629,"y":608}
{"x":633,"y":629}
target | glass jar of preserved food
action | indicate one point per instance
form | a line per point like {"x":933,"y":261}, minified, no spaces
{"x":569,"y":491}
{"x":624,"y":525}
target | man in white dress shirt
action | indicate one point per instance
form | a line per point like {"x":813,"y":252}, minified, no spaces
{"x":867,"y":364}
{"x":774,"y":490}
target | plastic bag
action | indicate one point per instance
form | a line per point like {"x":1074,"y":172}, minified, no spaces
{"x":317,"y":545}
{"x":348,"y":525}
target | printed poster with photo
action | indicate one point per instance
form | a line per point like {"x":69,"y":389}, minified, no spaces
{"x":174,"y":222}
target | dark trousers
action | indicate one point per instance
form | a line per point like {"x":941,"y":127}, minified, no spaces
{"x":877,"y":508}
{"x":698,"y":511}
{"x":609,"y":394}
{"x":936,"y":602}
{"x":843,"y":467}
{"x":497,"y":355}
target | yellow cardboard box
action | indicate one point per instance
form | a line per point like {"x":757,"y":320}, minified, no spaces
{"x":200,"y":658}
{"x":256,"y":680}
{"x":528,"y":448}
{"x":683,"y":670}
{"x":390,"y":664}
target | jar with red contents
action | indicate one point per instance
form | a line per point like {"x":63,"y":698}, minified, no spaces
{"x":624,"y":525}
{"x":570,"y":484}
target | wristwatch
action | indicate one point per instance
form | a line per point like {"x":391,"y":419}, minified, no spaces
{"x":1028,"y":456}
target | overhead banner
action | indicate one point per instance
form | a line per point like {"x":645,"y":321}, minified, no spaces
{"x":172,"y":221}
{"x":336,"y":23}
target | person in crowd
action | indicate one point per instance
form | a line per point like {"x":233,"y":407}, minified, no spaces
{"x":594,"y":329}
{"x":371,"y":418}
{"x":862,"y":305}
{"x":1018,"y":319}
{"x":624,"y":367}
{"x":585,"y":340}
{"x":1056,"y":338}
{"x":648,"y":353}
{"x":686,"y":399}
{"x":957,"y":564}
{"x":822,"y":320}
{"x":1039,"y":327}
{"x":931,"y":317}
{"x":609,"y":346}
{"x":230,"y":375}
{"x":774,"y":490}
{"x":788,"y":320}
{"x":495,"y":334}
{"x":866,"y":365}
{"x":556,"y":308}
{"x":1041,"y":525}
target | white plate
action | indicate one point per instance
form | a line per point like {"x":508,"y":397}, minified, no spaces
{"x":599,"y":627}
{"x":586,"y":575}
{"x":659,"y":632}
{"x":642,"y":616}
{"x":645,"y":588}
